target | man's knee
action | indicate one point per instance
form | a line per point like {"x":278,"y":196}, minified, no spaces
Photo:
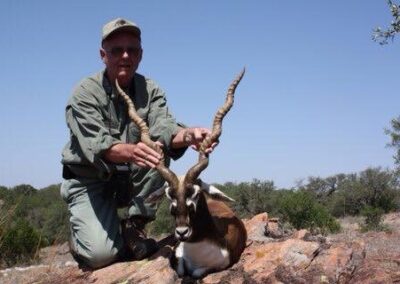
{"x":97,"y":256}
{"x":95,"y":252}
{"x":100,"y":259}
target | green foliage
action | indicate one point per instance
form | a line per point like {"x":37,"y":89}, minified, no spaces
{"x":26,"y":215}
{"x":24,"y":189}
{"x":302,"y":210}
{"x":252,"y":198}
{"x":3,"y":192}
{"x":383,"y":36}
{"x":394,"y":134}
{"x":379,"y":189}
{"x":373,"y":219}
{"x":164,"y":223}
{"x":52,"y":215}
{"x":19,"y":242}
{"x":45,"y":210}
{"x":349,"y":194}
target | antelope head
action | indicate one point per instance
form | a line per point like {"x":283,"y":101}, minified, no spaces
{"x":184,"y":192}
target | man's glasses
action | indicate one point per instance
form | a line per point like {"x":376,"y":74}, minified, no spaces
{"x":118,"y":51}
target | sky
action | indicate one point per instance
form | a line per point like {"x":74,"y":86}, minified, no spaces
{"x":315,"y":99}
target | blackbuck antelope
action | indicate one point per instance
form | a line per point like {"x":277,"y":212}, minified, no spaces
{"x":210,"y":236}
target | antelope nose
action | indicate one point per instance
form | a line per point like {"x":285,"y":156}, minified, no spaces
{"x":182,"y":231}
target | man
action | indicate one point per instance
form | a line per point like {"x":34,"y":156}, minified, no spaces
{"x":106,"y":167}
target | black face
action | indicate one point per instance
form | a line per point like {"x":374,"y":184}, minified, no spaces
{"x":183,"y":208}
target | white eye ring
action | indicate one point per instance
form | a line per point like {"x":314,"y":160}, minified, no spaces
{"x":167,"y":193}
{"x":190,"y":202}
{"x":196,"y":192}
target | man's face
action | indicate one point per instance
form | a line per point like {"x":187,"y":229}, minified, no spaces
{"x":121,"y":53}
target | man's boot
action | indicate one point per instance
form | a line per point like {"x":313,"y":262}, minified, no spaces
{"x":136,"y":241}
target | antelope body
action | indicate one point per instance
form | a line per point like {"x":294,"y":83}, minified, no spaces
{"x":210,"y":236}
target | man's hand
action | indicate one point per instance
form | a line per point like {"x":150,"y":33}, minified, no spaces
{"x":193,"y":137}
{"x":139,"y":153}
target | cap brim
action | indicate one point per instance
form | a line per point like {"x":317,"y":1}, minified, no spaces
{"x":130,"y":29}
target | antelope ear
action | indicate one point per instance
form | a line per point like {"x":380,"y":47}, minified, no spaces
{"x":215,"y":192}
{"x":157,"y":195}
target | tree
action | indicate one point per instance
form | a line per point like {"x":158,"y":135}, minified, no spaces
{"x":24,"y":189}
{"x":378,"y":188}
{"x":322,"y":188}
{"x":382,"y":36}
{"x":252,"y":197}
{"x":348,"y":194}
{"x":394,"y":133}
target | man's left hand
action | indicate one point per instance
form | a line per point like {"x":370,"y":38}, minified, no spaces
{"x":195,"y":135}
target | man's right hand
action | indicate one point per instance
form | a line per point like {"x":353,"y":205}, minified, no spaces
{"x":139,"y":153}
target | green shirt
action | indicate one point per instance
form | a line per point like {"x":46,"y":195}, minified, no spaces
{"x":97,"y":119}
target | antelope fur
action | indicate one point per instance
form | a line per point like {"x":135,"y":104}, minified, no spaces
{"x":218,"y":237}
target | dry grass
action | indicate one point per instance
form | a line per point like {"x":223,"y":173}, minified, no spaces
{"x":381,"y":247}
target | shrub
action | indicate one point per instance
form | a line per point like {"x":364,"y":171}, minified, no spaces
{"x":373,"y":219}
{"x":19,"y":243}
{"x":164,"y":222}
{"x":302,"y":210}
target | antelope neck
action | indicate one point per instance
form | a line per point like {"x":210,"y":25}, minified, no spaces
{"x":203,"y":223}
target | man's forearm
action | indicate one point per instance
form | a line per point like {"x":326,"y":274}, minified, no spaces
{"x":178,"y":141}
{"x":119,"y":153}
{"x":139,"y":153}
{"x":192,"y":136}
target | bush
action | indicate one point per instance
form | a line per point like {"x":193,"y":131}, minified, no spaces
{"x":19,"y":243}
{"x":302,"y":210}
{"x":28,"y":216}
{"x":373,"y":219}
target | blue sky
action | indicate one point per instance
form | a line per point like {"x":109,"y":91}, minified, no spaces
{"x":315,"y":100}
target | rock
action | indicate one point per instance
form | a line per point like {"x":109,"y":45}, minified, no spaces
{"x":263,"y":260}
{"x":70,"y":263}
{"x":301,"y":234}
{"x":256,"y":228}
{"x":156,"y":269}
{"x":331,"y":263}
{"x":274,"y":229}
{"x":146,"y":271}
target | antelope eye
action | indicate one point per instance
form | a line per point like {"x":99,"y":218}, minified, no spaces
{"x":191,"y":207}
{"x":172,"y":210}
{"x":189,"y":191}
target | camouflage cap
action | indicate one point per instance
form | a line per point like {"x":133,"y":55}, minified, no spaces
{"x":119,"y":24}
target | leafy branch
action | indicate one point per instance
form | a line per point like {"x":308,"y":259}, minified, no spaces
{"x":382,"y":36}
